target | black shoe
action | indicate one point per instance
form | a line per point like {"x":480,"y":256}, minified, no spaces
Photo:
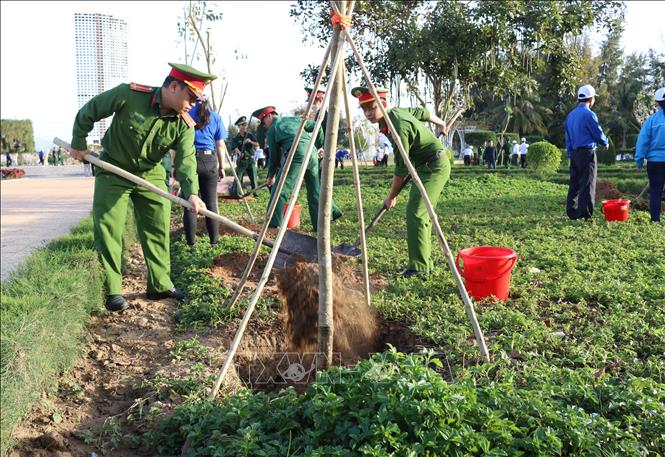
{"x":411,"y":273}
{"x":172,"y":293}
{"x":116,"y":303}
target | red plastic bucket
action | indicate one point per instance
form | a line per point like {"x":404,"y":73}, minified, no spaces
{"x":294,"y":220}
{"x":486,"y":271}
{"x":616,"y":210}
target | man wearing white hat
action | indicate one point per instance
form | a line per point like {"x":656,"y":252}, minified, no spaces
{"x":651,"y":146}
{"x":583,"y":133}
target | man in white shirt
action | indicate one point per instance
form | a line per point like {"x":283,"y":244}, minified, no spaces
{"x":467,"y":153}
{"x":523,"y":149}
{"x":260,"y":158}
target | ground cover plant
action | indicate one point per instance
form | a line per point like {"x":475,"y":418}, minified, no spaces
{"x":578,"y":366}
{"x":44,"y":308}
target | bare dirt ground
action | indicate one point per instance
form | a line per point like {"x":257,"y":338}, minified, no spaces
{"x":123,"y":381}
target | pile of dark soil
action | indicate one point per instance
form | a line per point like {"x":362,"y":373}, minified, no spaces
{"x":356,"y":328}
{"x":606,"y":190}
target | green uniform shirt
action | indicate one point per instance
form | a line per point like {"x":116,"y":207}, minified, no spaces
{"x":248,"y":150}
{"x":280,"y":137}
{"x":419,"y":142}
{"x":139,"y":136}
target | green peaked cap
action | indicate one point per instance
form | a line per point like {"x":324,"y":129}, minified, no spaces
{"x":258,"y":113}
{"x":241,"y":120}
{"x":191,"y":71}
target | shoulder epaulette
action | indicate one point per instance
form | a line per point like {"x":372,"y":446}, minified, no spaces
{"x":141,"y":87}
{"x":188,"y":119}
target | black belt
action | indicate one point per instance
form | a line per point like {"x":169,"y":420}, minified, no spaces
{"x":205,"y":152}
{"x":584,"y":149}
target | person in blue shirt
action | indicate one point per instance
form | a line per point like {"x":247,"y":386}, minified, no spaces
{"x":340,"y":155}
{"x":651,"y":146}
{"x":209,"y":136}
{"x":583,"y":134}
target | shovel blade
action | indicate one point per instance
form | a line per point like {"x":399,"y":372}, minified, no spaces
{"x":347,"y":250}
{"x":306,"y":246}
{"x":302,"y":246}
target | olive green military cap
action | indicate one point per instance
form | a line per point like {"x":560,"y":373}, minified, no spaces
{"x":241,"y":120}
{"x":364,"y":95}
{"x":194,"y":79}
{"x":319,"y":93}
{"x":263,"y":112}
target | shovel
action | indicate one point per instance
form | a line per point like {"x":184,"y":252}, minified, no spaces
{"x":251,"y":191}
{"x":180,"y":201}
{"x":353,"y":250}
{"x":306,"y":246}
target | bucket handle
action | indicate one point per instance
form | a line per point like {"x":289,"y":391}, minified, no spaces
{"x":514,"y":261}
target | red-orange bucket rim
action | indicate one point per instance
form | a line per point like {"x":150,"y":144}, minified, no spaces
{"x":508,"y":253}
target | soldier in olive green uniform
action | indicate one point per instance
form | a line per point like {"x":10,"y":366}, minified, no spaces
{"x":281,"y":131}
{"x":244,"y":144}
{"x":427,"y":155}
{"x":147,"y":122}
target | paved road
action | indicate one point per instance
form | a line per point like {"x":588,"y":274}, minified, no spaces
{"x":46,"y":203}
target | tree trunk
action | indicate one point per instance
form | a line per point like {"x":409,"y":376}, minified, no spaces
{"x":326,"y":325}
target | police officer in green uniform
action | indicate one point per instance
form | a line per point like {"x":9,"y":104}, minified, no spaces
{"x":147,"y":122}
{"x":244,"y":144}
{"x":427,"y":155}
{"x":281,"y":131}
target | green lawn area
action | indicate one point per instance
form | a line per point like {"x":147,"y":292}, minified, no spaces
{"x":578,"y":349}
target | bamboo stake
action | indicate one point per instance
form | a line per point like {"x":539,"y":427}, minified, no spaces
{"x":356,"y":184}
{"x":326,"y":320}
{"x":278,"y":241}
{"x":240,"y":190}
{"x":280,"y":185}
{"x":428,"y":204}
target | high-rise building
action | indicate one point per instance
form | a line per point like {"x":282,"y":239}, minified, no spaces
{"x":101,"y":59}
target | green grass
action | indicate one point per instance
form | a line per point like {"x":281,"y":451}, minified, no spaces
{"x":578,"y":348}
{"x":45,"y":306}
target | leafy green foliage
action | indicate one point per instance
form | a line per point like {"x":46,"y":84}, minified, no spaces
{"x":400,"y":405}
{"x":21,"y":130}
{"x":479,"y":137}
{"x":577,"y":347}
{"x":544,"y":158}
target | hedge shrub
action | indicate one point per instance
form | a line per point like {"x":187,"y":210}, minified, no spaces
{"x":631,"y":140}
{"x":607,"y":156}
{"x":508,"y":136}
{"x":533,"y":138}
{"x":544,"y":157}
{"x":478,"y":137}
{"x":564,"y":157}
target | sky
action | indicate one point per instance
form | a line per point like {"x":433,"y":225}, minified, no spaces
{"x":38,"y":71}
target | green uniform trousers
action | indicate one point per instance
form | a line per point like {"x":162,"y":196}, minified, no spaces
{"x":152,"y":212}
{"x":434,"y":176}
{"x":312,"y":185}
{"x":246,"y":166}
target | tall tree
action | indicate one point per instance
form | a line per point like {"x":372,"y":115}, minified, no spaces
{"x":442,"y":50}
{"x":194,"y":29}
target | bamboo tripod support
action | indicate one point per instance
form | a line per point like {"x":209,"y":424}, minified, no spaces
{"x":239,"y":184}
{"x":359,"y":199}
{"x":280,"y":185}
{"x":428,"y":204}
{"x":278,"y":240}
